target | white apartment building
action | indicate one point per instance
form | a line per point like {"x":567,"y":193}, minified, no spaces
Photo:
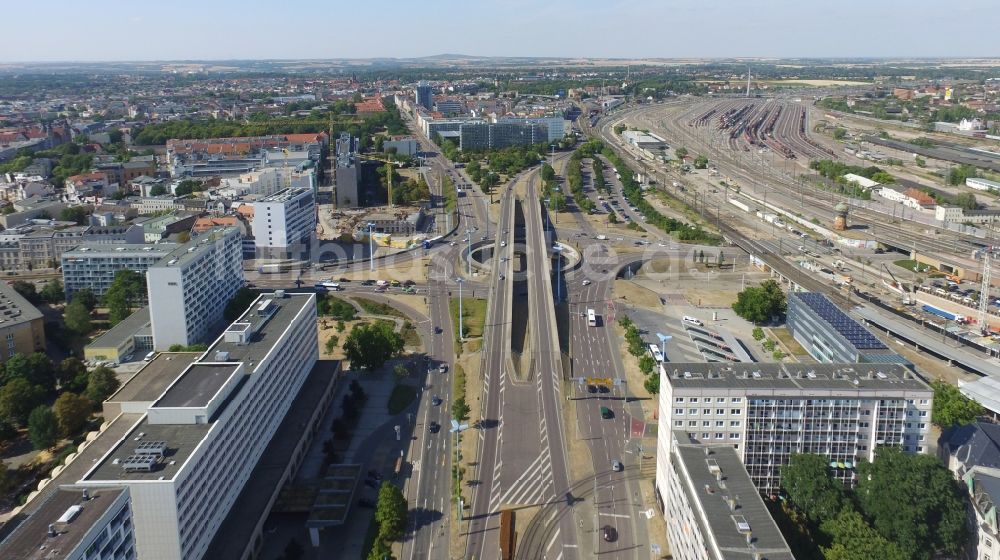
{"x":190,"y":287}
{"x":93,"y":266}
{"x":713,"y":510}
{"x":284,"y":220}
{"x":957,"y":214}
{"x":265,"y":182}
{"x":75,"y":524}
{"x":187,"y":458}
{"x":766,"y":412}
{"x":982,"y":184}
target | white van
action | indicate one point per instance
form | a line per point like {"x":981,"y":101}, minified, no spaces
{"x":692,"y":320}
{"x":381,"y":283}
{"x":149,"y":357}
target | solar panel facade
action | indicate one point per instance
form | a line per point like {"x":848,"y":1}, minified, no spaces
{"x":856,"y":334}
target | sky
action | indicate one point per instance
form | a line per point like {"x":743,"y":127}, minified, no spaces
{"x":110,"y":30}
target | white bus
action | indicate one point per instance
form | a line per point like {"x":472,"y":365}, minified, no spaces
{"x":591,"y":318}
{"x":654,"y":351}
{"x":328,"y":286}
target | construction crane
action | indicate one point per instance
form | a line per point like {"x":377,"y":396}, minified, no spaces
{"x":388,"y":169}
{"x":984,"y":292}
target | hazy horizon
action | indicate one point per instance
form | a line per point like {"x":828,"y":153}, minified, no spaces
{"x":115,"y":30}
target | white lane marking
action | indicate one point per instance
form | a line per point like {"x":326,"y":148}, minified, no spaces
{"x":555,"y":537}
{"x":619,"y":515}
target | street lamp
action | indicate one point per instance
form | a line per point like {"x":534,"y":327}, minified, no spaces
{"x":461,"y":331}
{"x":371,"y":245}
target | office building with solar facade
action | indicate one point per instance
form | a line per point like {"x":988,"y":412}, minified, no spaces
{"x":831,"y":336}
{"x":766,"y":412}
{"x":187,"y":457}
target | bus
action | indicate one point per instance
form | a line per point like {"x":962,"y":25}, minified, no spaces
{"x":328,"y":286}
{"x":591,"y":318}
{"x":654,"y":351}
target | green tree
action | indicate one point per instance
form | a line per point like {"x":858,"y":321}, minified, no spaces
{"x":331,"y":343}
{"x":18,"y":398}
{"x":681,"y":152}
{"x":72,"y":374}
{"x":125,"y":292}
{"x":27,"y":290}
{"x":966,"y":201}
{"x":157,"y":190}
{"x":72,"y":412}
{"x":806,"y":478}
{"x":239,"y":303}
{"x":369,"y":346}
{"x":759,"y":303}
{"x":380,"y":549}
{"x":400,"y":371}
{"x":652,"y":384}
{"x":5,"y":478}
{"x":952,"y":408}
{"x":757,"y":334}
{"x":76,"y":214}
{"x":460,"y":409}
{"x":77,"y":317}
{"x":839,"y":133}
{"x":557,"y":202}
{"x":913,"y":500}
{"x":43,"y":428}
{"x":101,"y":384}
{"x":700,"y":162}
{"x":646,"y":364}
{"x":337,"y":308}
{"x":548,"y":173}
{"x":87,"y":297}
{"x":853,"y":539}
{"x":390,"y":512}
{"x":36,"y":368}
{"x":53,"y":292}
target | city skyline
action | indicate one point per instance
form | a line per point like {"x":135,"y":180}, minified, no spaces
{"x":588,"y":29}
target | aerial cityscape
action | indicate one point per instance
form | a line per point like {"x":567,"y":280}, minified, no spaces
{"x":500,"y":281}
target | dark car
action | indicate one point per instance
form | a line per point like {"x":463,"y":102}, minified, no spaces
{"x":609,"y":533}
{"x":342,"y":279}
{"x":434,"y":427}
{"x":409,"y":283}
{"x":591,"y":388}
{"x":603,"y":388}
{"x":436,"y":401}
{"x":368,"y":283}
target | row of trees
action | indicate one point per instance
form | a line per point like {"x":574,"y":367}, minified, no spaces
{"x":835,"y":171}
{"x":905,"y":507}
{"x":633,"y":193}
{"x":637,"y":347}
{"x":390,"y":516}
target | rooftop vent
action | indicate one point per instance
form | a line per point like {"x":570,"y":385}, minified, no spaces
{"x":138,"y":463}
{"x":151,"y":448}
{"x":222,"y":356}
{"x":70,"y":514}
{"x":742,"y":525}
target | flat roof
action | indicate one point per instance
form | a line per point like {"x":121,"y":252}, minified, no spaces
{"x":794,"y":377}
{"x":197,"y":386}
{"x":153,"y":378}
{"x":285,"y":195}
{"x":859,"y":337}
{"x":31,"y":540}
{"x":157,"y":250}
{"x":236,"y":531}
{"x":123,"y":331}
{"x":180,"y":254}
{"x":181,"y":441}
{"x":76,"y":468}
{"x":729,"y":528}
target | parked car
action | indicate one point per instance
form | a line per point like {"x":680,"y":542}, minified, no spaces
{"x":609,"y":533}
{"x":616,"y":465}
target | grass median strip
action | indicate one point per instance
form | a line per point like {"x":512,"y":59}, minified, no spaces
{"x":473,"y":316}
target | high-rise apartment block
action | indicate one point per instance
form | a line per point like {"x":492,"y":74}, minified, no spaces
{"x":768,"y":411}
{"x":284,"y":223}
{"x":189,"y":454}
{"x":93,"y":266}
{"x":424,"y":96}
{"x":76,"y":524}
{"x":713,"y":510}
{"x":190,"y":287}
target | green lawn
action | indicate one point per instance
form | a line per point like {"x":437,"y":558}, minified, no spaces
{"x":908,"y":264}
{"x":401,"y":397}
{"x":473,"y":316}
{"x":377,"y":307}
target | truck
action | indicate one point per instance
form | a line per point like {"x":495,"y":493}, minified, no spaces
{"x":601,"y":237}
{"x":741,"y":205}
{"x":942,"y":313}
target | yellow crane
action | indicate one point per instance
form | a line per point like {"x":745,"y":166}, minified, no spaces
{"x":388,"y":169}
